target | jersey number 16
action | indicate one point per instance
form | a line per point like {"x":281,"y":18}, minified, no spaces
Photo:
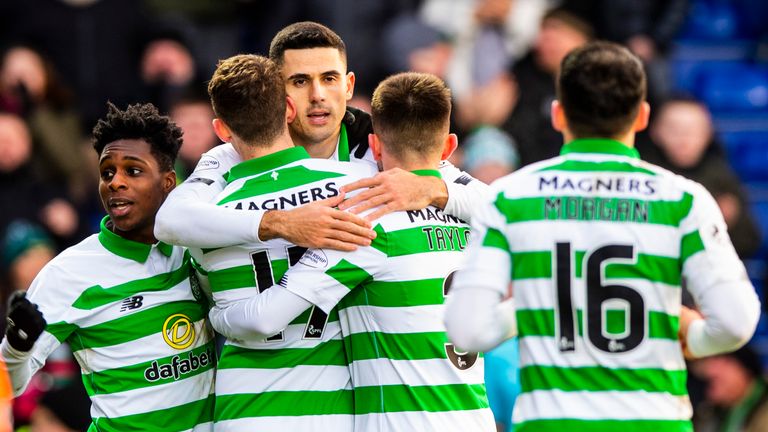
{"x":601,"y":299}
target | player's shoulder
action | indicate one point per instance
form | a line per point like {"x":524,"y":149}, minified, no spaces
{"x":357,"y":169}
{"x":223,"y":156}
{"x":670,"y":179}
{"x":71,"y":270}
{"x":522,"y":181}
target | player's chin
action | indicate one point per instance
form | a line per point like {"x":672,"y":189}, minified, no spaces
{"x":125,"y":222}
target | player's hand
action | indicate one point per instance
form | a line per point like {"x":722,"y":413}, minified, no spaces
{"x":394,"y":190}
{"x":687,"y":316}
{"x":25,"y":322}
{"x":318,"y":225}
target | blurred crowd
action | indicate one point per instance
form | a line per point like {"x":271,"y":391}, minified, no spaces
{"x":61,"y":60}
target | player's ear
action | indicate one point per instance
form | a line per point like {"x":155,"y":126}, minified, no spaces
{"x":350,"y":85}
{"x":450,"y":145}
{"x":559,"y":122}
{"x":375,"y":144}
{"x":169,"y":181}
{"x":290,"y":110}
{"x":643,"y":114}
{"x":222,"y":130}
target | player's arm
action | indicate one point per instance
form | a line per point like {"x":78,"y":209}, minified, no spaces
{"x":190,"y":218}
{"x":394,"y":190}
{"x":314,"y":280}
{"x":259,"y":316}
{"x":718,"y":282}
{"x":29,"y":338}
{"x":477,"y":317}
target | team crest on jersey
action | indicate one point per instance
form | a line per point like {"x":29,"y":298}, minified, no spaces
{"x":178,"y":331}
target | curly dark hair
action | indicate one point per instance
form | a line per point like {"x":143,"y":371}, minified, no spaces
{"x":144,"y":122}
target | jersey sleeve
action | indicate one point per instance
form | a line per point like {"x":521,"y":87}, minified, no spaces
{"x":465,"y":192}
{"x":262,"y":315}
{"x":190,"y":218}
{"x":717,"y":280}
{"x":476,"y":318}
{"x":488,"y":260}
{"x":323,"y":276}
{"x":51,"y":291}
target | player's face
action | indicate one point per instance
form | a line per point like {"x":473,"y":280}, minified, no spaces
{"x":317,"y":81}
{"x":132,"y":187}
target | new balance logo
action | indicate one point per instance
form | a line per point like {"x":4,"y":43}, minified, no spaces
{"x":131,"y":303}
{"x":463,"y":180}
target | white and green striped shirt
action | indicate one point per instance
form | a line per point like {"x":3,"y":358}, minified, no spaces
{"x":597,"y":243}
{"x":390,"y":296}
{"x":136,"y":328}
{"x":297,"y":379}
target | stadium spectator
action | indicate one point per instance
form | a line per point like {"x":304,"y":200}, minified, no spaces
{"x":192,"y":112}
{"x":30,"y":88}
{"x":26,"y":248}
{"x":684,"y":139}
{"x":96,"y":45}
{"x":530,"y":123}
{"x":736,"y":393}
{"x":23,"y":195}
{"x":167,"y":69}
{"x":487,"y":37}
{"x":488,"y":154}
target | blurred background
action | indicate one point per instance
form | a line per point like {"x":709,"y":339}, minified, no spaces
{"x":707,"y":63}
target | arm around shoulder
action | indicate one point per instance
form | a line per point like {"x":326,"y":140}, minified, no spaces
{"x":465,"y":192}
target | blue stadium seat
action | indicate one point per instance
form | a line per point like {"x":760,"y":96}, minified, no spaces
{"x":687,"y":67}
{"x":759,"y":209}
{"x":733,"y":87}
{"x":712,"y":20}
{"x":748,"y":154}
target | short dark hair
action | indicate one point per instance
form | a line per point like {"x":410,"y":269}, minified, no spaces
{"x":248,"y":94}
{"x":411,"y":113}
{"x":305,"y":35}
{"x":601,"y":86}
{"x":141,"y":122}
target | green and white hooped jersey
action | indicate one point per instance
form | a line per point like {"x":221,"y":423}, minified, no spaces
{"x":297,"y":379}
{"x":597,"y":243}
{"x":405,"y":373}
{"x":136,"y":328}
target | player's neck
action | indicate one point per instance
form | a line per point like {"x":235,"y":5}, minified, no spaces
{"x":323,"y":149}
{"x":627,"y":139}
{"x":409,"y":164}
{"x":248,"y":152}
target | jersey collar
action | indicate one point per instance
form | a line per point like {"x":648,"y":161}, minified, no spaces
{"x":343,"y":149}
{"x":128,"y":249}
{"x":598,"y":145}
{"x":266,"y":163}
{"x":427,"y":173}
